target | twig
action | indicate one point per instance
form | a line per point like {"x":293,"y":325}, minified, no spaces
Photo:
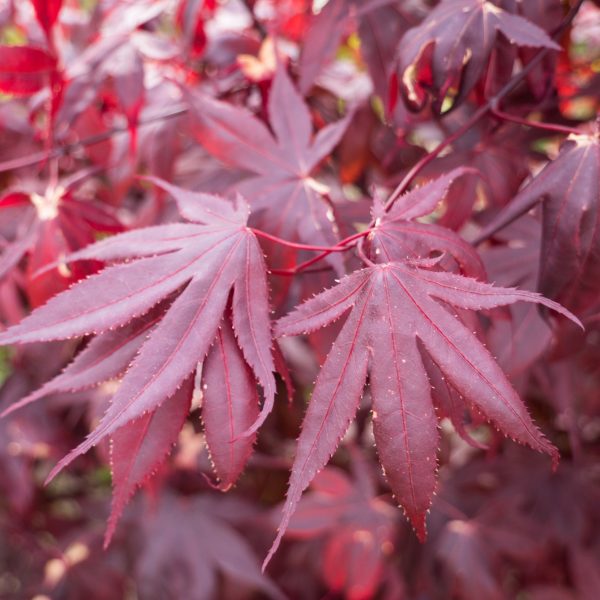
{"x":39,"y":157}
{"x":536,"y":124}
{"x":342,"y":246}
{"x":297,"y":246}
{"x":490,"y":105}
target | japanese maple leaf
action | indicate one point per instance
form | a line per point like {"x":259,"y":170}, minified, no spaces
{"x":449,"y":51}
{"x":206,"y":265}
{"x":138,"y":449}
{"x":290,"y":201}
{"x":398,"y":311}
{"x":570,"y":189}
{"x":229,"y":406}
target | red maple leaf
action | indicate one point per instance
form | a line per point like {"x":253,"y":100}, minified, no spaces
{"x":397,"y":312}
{"x":290,"y":203}
{"x":202,"y":268}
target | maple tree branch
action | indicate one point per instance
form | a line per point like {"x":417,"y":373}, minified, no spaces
{"x":297,"y":246}
{"x":294,"y":272}
{"x":58,"y":151}
{"x":343,"y":245}
{"x":490,"y":105}
{"x":536,"y":124}
{"x":325,"y":250}
{"x":363,"y":256}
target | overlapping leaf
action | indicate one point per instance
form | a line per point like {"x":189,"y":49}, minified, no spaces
{"x":189,"y":538}
{"x":290,"y":201}
{"x":398,"y":311}
{"x":398,"y":236}
{"x":229,"y":406}
{"x":518,"y":342}
{"x":138,"y":448}
{"x":207,"y":265}
{"x":570,"y":189}
{"x":449,"y":51}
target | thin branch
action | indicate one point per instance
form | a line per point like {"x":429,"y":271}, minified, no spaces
{"x":490,"y":105}
{"x":536,"y":124}
{"x":58,"y":151}
{"x":345,"y":244}
{"x":362,"y":255}
{"x":310,"y":248}
{"x":293,"y":272}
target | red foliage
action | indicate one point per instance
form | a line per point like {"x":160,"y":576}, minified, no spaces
{"x":242,"y":242}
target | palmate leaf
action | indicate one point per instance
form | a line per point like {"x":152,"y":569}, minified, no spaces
{"x":290,"y":201}
{"x":452,"y":47}
{"x":398,"y":311}
{"x":202,"y":268}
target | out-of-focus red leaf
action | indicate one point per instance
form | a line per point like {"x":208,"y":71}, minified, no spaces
{"x":24,"y":70}
{"x":186,"y":544}
{"x":47,"y":12}
{"x":570,"y":191}
{"x":355,"y":528}
{"x":127,"y":71}
{"x":322,"y":38}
